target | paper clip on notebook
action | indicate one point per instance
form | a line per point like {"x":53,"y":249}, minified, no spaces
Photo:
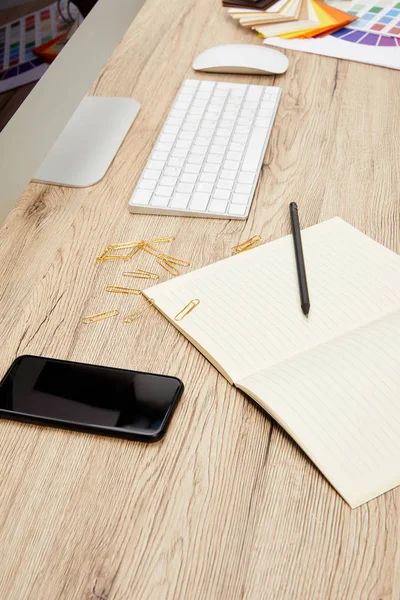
{"x":187,"y":309}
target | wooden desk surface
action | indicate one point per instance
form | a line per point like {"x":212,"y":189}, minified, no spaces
{"x":227,"y":507}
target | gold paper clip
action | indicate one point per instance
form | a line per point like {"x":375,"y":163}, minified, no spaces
{"x":147,"y":247}
{"x":100,"y":316}
{"x":141,"y":274}
{"x":187,"y":309}
{"x":125,"y":245}
{"x":247,"y":245}
{"x":138,"y":311}
{"x":165,"y":264}
{"x":175,"y":260}
{"x":122,"y":290}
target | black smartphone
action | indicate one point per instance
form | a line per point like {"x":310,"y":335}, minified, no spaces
{"x":104,"y":400}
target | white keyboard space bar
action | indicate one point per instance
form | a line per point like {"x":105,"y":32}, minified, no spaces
{"x":254,"y":150}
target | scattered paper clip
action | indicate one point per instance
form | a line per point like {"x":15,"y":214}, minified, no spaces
{"x":122,"y":290}
{"x":187,"y":309}
{"x":165,"y":264}
{"x":139,"y":311}
{"x":175,"y":260}
{"x":126,"y":245}
{"x":106,"y":257}
{"x":247,"y":245}
{"x":141,"y":274}
{"x":100,"y":316}
{"x":150,"y":249}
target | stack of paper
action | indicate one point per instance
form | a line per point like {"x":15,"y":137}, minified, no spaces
{"x":289,"y":18}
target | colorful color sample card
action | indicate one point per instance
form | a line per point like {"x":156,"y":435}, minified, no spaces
{"x":382,"y":18}
{"x":18,"y":64}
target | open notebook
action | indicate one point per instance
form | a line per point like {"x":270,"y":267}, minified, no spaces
{"x":332,"y":380}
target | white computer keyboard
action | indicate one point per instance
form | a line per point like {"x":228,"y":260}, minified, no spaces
{"x":207,"y":159}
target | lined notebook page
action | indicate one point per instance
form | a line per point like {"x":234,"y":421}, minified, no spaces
{"x":249,"y":317}
{"x":341,"y":402}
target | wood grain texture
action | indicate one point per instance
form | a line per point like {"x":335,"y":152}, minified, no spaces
{"x":226,"y":506}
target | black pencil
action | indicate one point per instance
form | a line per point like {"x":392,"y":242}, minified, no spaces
{"x":298,"y":250}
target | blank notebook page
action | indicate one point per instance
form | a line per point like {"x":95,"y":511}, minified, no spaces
{"x":340,"y":401}
{"x":249,"y":317}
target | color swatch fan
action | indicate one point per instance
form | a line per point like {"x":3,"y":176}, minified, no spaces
{"x":373,"y":38}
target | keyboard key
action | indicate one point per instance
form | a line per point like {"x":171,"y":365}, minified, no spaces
{"x":265,"y":114}
{"x":206,"y":133}
{"x":226,"y":174}
{"x":240,"y":199}
{"x":142,"y":197}
{"x":175,"y":121}
{"x":222,"y":194}
{"x":195,"y":159}
{"x":224,"y":184}
{"x":160,"y":201}
{"x":204,"y":187}
{"x":215,"y":159}
{"x":221,"y":141}
{"x":234,"y":155}
{"x":237,"y":209}
{"x":165,"y":191}
{"x":192,"y":169}
{"x":199,"y":201}
{"x":171,"y":129}
{"x":208,"y":177}
{"x":160,"y":156}
{"x":249,"y":105}
{"x":267,"y":105}
{"x":187,"y":135}
{"x":248,"y":113}
{"x":232,"y":165}
{"x":176,"y":113}
{"x":189,"y":127}
{"x":243,"y":188}
{"x":236,"y":147}
{"x":214,"y":149}
{"x":183,"y":144}
{"x":217,"y":206}
{"x":175,"y":162}
{"x":149,"y":174}
{"x":254,"y":150}
{"x":188,"y":178}
{"x":209,"y":125}
{"x":180,"y":200}
{"x":186,"y":188}
{"x":180,"y":152}
{"x":164,"y":146}
{"x":254,"y":93}
{"x":244,"y":122}
{"x":211,"y":168}
{"x":223,"y":132}
{"x":239,"y":139}
{"x":147,"y":184}
{"x":155,"y":165}
{"x":199,"y":150}
{"x":172,"y":171}
{"x":245,"y":178}
{"x":242,"y":129}
{"x":168,"y":181}
{"x":201,"y":141}
{"x":262,"y":122}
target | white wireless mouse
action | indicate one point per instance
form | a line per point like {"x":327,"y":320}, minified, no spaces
{"x":241,"y":58}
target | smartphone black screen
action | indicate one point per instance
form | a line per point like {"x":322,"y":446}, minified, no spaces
{"x":99,"y":399}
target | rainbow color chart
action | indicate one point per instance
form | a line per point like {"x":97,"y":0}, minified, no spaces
{"x":372,"y":18}
{"x":18,"y":64}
